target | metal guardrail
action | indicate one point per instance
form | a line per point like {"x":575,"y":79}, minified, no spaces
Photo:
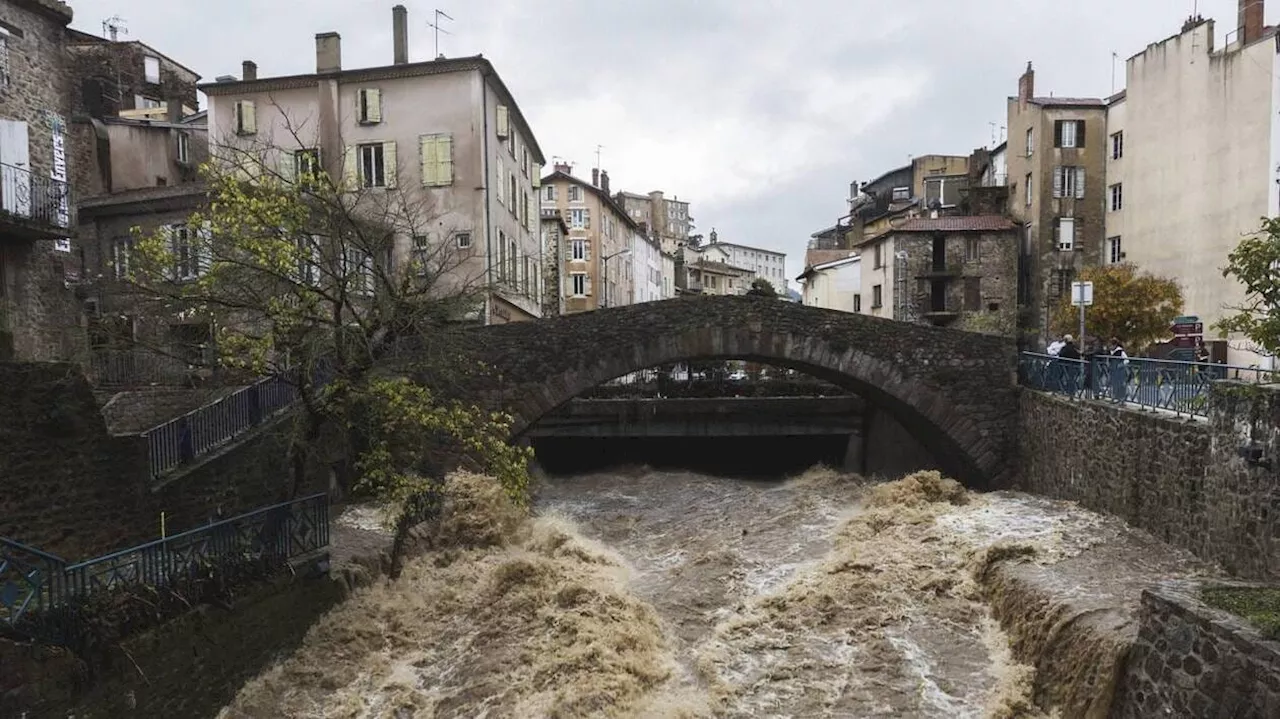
{"x":127,"y":368}
{"x":33,"y":582}
{"x":204,"y":429}
{"x":28,"y":195}
{"x":1171,"y":385}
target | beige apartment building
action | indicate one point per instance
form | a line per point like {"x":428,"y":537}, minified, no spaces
{"x":444,"y":136}
{"x":665,"y":218}
{"x":1056,"y":161}
{"x":597,"y":271}
{"x":1193,"y":162}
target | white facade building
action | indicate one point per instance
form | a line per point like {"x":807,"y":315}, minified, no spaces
{"x":1193,"y":161}
{"x":766,"y":264}
{"x":648,"y":279}
{"x":835,"y":285}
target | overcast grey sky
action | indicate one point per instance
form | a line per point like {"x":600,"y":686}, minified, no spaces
{"x":759,"y":112}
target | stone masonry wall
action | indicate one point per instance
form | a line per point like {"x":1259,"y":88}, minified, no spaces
{"x":1190,"y":660}
{"x":1185,"y":481}
{"x":76,"y":491}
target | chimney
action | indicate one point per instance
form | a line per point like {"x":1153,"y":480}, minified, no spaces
{"x":595,"y":177}
{"x":1250,"y":22}
{"x":328,"y":52}
{"x":604,"y":181}
{"x":400,"y":33}
{"x":1027,"y":85}
{"x":564,"y":167}
{"x":248,"y":70}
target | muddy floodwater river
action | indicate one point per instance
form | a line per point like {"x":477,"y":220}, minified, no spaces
{"x":644,"y":593}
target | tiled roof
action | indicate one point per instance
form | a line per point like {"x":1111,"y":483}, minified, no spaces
{"x":1069,"y":101}
{"x":144,"y":194}
{"x":813,"y":258}
{"x":720,"y":267}
{"x":970,"y":223}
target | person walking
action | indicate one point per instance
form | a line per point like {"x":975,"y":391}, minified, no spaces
{"x":1119,"y":371}
{"x":1069,"y":356}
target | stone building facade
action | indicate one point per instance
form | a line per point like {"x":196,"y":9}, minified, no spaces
{"x":596,"y":271}
{"x":39,"y":318}
{"x":1057,"y":184}
{"x":554,"y":234}
{"x":956,"y":272}
{"x":119,"y":78}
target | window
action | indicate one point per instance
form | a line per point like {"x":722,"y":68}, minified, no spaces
{"x":372,"y":169}
{"x":503,"y":130}
{"x":4,"y":58}
{"x":147,"y":103}
{"x":121,"y":254}
{"x":436,"y":154}
{"x":184,"y":147}
{"x":972,"y":249}
{"x":879,"y":258}
{"x":901,"y":194}
{"x":186,"y":262}
{"x":514,"y":195}
{"x":1064,"y":228}
{"x":579,"y":250}
{"x":502,"y":256}
{"x":575,"y":193}
{"x":306,"y":166}
{"x":1068,"y":133}
{"x":308,"y":247}
{"x":1117,"y":197}
{"x":358,"y":268}
{"x":245,"y":120}
{"x":578,"y":282}
{"x":549,"y":193}
{"x":972,"y":294}
{"x":877,"y":295}
{"x":580,"y":218}
{"x":1117,"y":145}
{"x":514,"y":259}
{"x":1114,"y":253}
{"x":1068,"y":182}
{"x":857,"y":303}
{"x":462,"y":240}
{"x":1031,"y":141}
{"x":524,"y":277}
{"x":368,"y":106}
{"x":1030,"y":193}
{"x":151,"y":69}
{"x":946,"y":190}
{"x":524,"y":160}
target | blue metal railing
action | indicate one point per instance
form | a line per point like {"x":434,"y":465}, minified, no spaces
{"x":1175,"y":386}
{"x":33,"y":582}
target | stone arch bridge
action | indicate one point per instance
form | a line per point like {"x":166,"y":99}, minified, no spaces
{"x":955,"y":391}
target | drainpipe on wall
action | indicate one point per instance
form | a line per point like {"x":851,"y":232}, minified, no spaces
{"x":488,"y":242}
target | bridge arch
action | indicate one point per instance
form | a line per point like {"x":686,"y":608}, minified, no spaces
{"x":954,"y":391}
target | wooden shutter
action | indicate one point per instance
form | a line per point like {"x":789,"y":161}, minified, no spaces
{"x":369,"y":100}
{"x":444,"y":160}
{"x":1057,"y":182}
{"x":536,"y":176}
{"x":586,"y":218}
{"x":427,"y":159}
{"x":350,"y":169}
{"x":389,"y":169}
{"x":504,"y":122}
{"x":1079,"y":183}
{"x":587,"y":285}
{"x":171,"y":269}
{"x":250,"y":117}
{"x":288,"y":166}
{"x":972,"y":294}
{"x":204,"y":248}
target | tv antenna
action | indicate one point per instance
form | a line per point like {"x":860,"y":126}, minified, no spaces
{"x":113,"y":27}
{"x":598,"y":149}
{"x":435,"y":25}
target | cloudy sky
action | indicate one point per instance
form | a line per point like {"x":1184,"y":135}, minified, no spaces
{"x":759,"y":112}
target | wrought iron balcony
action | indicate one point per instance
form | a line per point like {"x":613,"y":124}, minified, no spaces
{"x":34,"y":207}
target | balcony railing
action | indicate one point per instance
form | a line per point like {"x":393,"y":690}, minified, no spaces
{"x":34,"y":584}
{"x":1173,"y":386}
{"x":40,"y":200}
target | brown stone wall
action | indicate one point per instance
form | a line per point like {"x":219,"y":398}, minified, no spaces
{"x":1186,"y":481}
{"x":1190,"y":660}
{"x":995,"y":269}
{"x":73,"y":490}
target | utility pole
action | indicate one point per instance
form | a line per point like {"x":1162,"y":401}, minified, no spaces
{"x":435,"y":25}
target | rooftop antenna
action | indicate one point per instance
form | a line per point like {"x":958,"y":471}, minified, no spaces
{"x":113,"y":27}
{"x":993,"y":134}
{"x":1114,"y":58}
{"x":435,"y":25}
{"x":598,"y":149}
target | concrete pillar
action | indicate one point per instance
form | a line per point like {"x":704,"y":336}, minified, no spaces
{"x":855,"y":455}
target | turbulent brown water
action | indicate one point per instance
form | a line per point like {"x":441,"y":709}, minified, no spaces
{"x":645,"y":593}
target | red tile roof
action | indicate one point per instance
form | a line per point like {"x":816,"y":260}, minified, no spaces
{"x":970,"y":223}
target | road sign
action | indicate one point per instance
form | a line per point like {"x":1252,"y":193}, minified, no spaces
{"x":1188,"y":341}
{"x":1186,"y":320}
{"x":1187,"y":328}
{"x":1081,"y":293}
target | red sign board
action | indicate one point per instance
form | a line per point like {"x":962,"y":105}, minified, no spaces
{"x":1189,"y":328}
{"x":1188,"y":341}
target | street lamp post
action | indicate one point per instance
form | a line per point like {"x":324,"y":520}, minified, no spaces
{"x":605,"y":262}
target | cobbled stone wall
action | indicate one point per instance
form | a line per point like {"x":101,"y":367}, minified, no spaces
{"x":953,"y":390}
{"x":74,"y":490}
{"x":1207,"y":486}
{"x":1194,"y":661}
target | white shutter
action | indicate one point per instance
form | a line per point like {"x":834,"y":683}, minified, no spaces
{"x":1057,"y":182}
{"x":504,"y":122}
{"x":502,"y":184}
{"x":288,"y":166}
{"x":389,"y":168}
{"x":350,"y":169}
{"x":1079,"y":183}
{"x":427,"y":158}
{"x":204,"y":248}
{"x":372,"y":104}
{"x":586,"y":218}
{"x":248,"y":117}
{"x":587,"y":285}
{"x":536,"y":176}
{"x":171,"y":267}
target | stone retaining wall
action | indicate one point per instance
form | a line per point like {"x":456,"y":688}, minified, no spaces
{"x":1191,"y":660}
